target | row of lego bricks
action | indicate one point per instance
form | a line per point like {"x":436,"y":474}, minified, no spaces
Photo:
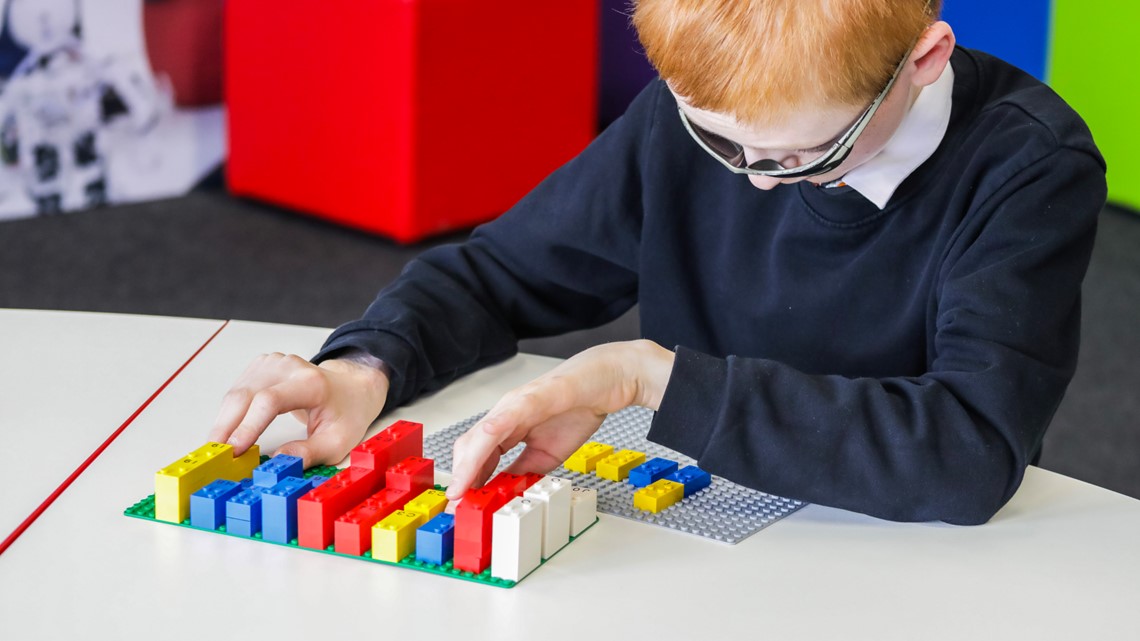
{"x":662,"y":482}
{"x":724,"y":511}
{"x":385,"y":512}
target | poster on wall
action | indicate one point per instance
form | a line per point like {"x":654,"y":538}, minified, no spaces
{"x":83,"y":120}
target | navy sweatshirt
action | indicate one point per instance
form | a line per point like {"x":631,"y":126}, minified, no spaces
{"x":903,"y":362}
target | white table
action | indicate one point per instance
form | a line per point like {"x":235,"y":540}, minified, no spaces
{"x":68,"y":380}
{"x":1061,"y":561}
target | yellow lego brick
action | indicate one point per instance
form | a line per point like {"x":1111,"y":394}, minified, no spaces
{"x":586,"y":458}
{"x":658,"y":495}
{"x":394,"y":537}
{"x":430,"y":503}
{"x":616,"y":467}
{"x":174,"y":483}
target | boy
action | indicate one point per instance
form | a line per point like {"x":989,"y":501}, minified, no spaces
{"x":882,"y":318}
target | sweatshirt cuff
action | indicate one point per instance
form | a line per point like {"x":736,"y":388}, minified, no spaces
{"x":392,"y":350}
{"x":688,"y":411}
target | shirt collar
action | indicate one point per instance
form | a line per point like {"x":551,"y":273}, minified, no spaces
{"x":916,"y":139}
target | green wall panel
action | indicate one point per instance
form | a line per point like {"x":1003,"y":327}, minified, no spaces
{"x":1095,"y":66}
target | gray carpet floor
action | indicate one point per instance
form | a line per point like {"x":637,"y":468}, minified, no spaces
{"x":213,"y":256}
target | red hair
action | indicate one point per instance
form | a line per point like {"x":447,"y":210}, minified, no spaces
{"x":760,"y":60}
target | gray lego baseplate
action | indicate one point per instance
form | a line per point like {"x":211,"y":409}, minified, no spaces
{"x":724,"y":511}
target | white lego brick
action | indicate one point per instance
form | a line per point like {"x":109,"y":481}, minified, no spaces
{"x":516,"y":539}
{"x":583,"y":509}
{"x":554,"y":493}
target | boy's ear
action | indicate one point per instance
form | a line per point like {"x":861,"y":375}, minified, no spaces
{"x":932,"y":53}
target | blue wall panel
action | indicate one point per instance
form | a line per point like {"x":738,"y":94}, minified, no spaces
{"x":1016,"y":31}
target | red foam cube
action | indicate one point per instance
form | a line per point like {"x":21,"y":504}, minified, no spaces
{"x":406,"y":117}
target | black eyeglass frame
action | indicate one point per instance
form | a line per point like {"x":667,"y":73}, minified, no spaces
{"x":828,"y":161}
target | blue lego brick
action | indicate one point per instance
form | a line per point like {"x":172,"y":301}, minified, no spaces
{"x":276,"y":469}
{"x":693,"y":478}
{"x":435,"y":540}
{"x":650,"y":471}
{"x":244,"y":508}
{"x":279,"y":508}
{"x":240,"y":527}
{"x":208,"y":505}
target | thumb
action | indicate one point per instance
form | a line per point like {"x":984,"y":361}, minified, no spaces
{"x":322,"y":448}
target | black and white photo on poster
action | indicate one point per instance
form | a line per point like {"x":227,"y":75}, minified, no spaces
{"x":83,"y":120}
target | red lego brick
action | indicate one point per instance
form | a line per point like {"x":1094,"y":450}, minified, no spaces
{"x":471,"y":562}
{"x":367,"y":151}
{"x":394,"y":443}
{"x":317,"y":510}
{"x":531,"y":479}
{"x":413,"y":474}
{"x":473,"y":521}
{"x":352,"y":531}
{"x":510,"y":485}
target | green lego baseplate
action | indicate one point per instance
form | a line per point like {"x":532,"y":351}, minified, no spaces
{"x":144,"y":510}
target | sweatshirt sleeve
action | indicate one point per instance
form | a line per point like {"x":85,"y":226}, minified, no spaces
{"x":564,"y":258}
{"x":953,"y":443}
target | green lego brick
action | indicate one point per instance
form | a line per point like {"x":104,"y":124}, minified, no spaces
{"x":144,"y":510}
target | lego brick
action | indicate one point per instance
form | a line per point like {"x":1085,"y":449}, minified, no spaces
{"x":473,"y":520}
{"x":531,"y":479}
{"x":276,"y":469}
{"x":317,"y":510}
{"x":724,"y":511}
{"x":510,"y":485}
{"x":352,"y":531}
{"x":516,"y":541}
{"x":586,"y":458}
{"x":435,"y":540}
{"x":583,"y":509}
{"x":394,"y":537}
{"x":394,"y":443}
{"x":430,"y":503}
{"x":241,"y":527}
{"x":208,"y":505}
{"x":553,"y":494}
{"x":279,"y":508}
{"x":174,"y":483}
{"x":413,"y":474}
{"x":473,"y":517}
{"x":658,"y":495}
{"x":243,"y":512}
{"x":650,"y":471}
{"x":692,"y":477}
{"x":616,"y":467}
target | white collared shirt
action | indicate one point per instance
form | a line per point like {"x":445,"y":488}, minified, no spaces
{"x":916,"y":139}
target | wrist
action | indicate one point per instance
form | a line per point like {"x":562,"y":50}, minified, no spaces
{"x":654,"y":366}
{"x":372,"y":381}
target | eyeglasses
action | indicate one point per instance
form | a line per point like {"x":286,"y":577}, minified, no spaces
{"x":731,"y":154}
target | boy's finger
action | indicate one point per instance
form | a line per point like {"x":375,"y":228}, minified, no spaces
{"x":324,"y":447}
{"x":472,"y":451}
{"x":533,"y":460}
{"x":269,"y":403}
{"x":233,"y":409}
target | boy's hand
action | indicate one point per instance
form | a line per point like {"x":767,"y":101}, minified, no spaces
{"x":337,"y":400}
{"x":559,"y":411}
